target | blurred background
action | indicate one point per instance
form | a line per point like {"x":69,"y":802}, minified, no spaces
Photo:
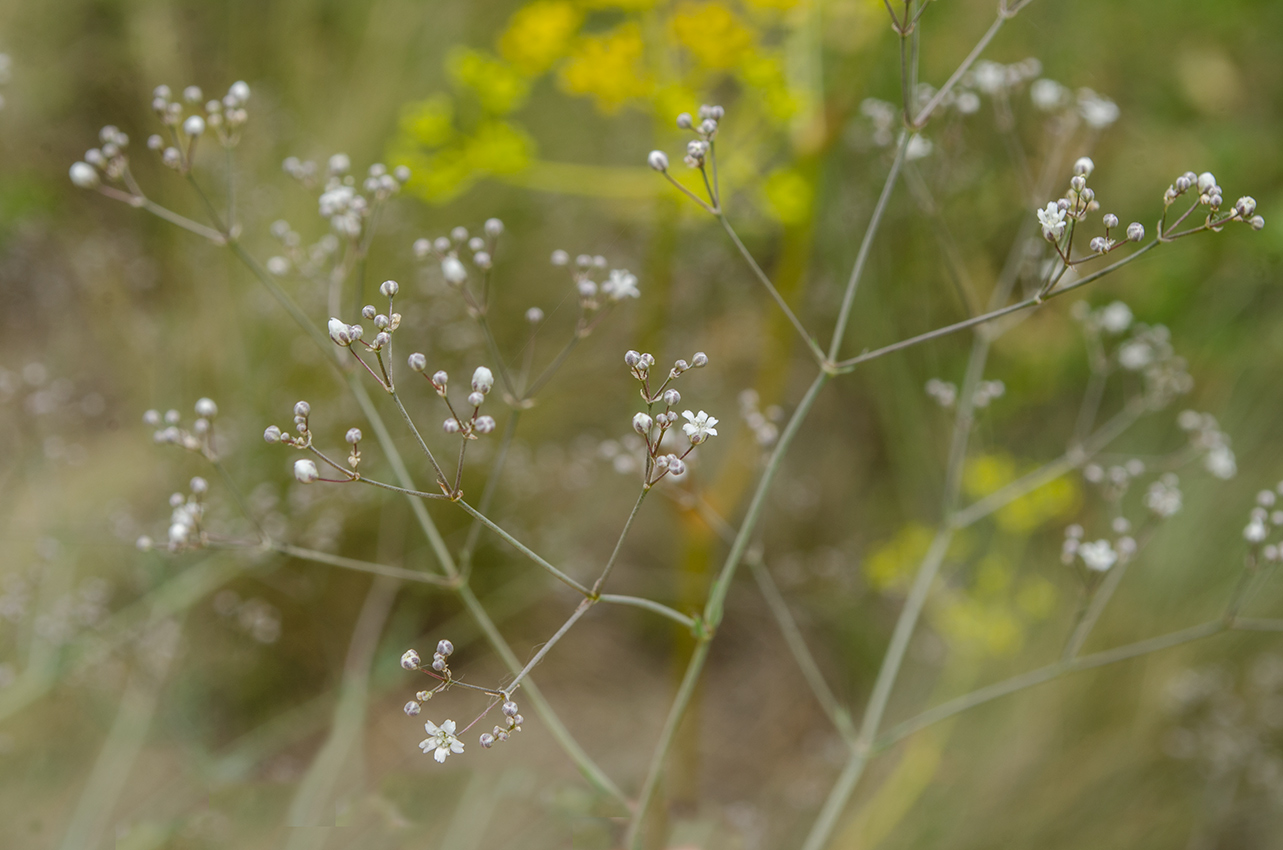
{"x":213,"y":698}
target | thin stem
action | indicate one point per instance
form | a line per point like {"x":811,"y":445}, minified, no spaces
{"x":487,"y":495}
{"x":523,"y":549}
{"x":396,"y":397}
{"x":418,"y":494}
{"x":1096,"y":607}
{"x":796,"y":643}
{"x":836,"y":802}
{"x":650,"y":605}
{"x":962,"y":69}
{"x":866,"y":244}
{"x":685,"y":691}
{"x":360,"y":566}
{"x":619,"y":544}
{"x":580,"y":610}
{"x":770,"y":287}
{"x":551,"y":369}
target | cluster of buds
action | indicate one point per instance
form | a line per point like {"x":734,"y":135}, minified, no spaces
{"x":700,"y":154}
{"x":1206,"y":436}
{"x":187,"y":119}
{"x":447,"y":249}
{"x":1114,"y":481}
{"x":185,"y":528}
{"x":385,"y":324}
{"x":1163,"y":498}
{"x":438,"y":669}
{"x":1209,"y":195}
{"x":512,"y":723}
{"x":470,"y":426}
{"x":1100,"y":555}
{"x":1079,"y":200}
{"x":618,"y":284}
{"x":1263,"y":520}
{"x":652,"y":427}
{"x":107,"y":161}
{"x":340,"y":202}
{"x":199,"y":438}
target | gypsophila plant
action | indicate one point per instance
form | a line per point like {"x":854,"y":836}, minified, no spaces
{"x":1063,"y":243}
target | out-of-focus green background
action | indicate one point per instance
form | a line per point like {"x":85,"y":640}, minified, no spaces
{"x":191,"y":701}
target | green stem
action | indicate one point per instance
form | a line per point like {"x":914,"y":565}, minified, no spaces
{"x":523,"y":548}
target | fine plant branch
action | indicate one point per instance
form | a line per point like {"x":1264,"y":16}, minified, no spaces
{"x":650,"y":605}
{"x":866,"y":245}
{"x":845,"y":366}
{"x":580,"y":610}
{"x":619,"y":544}
{"x":360,"y":566}
{"x":523,"y":549}
{"x":815,"y":350}
{"x":469,"y":550}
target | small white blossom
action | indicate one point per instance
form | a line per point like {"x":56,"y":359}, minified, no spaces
{"x":1048,"y":95}
{"x":1098,"y":556}
{"x":1099,"y":112}
{"x":1164,"y":496}
{"x":453,"y":271}
{"x":482,"y":380}
{"x":305,"y":471}
{"x":699,"y":427}
{"x":1135,"y":355}
{"x":1220,"y":462}
{"x":1116,"y":318}
{"x":441,"y":739}
{"x":84,"y":175}
{"x":1052,"y":220}
{"x":620,"y":285}
{"x":1255,"y":531}
{"x":340,"y":332}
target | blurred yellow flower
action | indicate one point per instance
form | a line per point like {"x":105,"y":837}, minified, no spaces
{"x":498,"y":86}
{"x":789,"y":195}
{"x":539,"y":35}
{"x":609,"y":68}
{"x":712,"y":34}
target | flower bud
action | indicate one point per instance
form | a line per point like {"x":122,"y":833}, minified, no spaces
{"x":412,"y":708}
{"x":509,"y":708}
{"x":476,"y":399}
{"x":1078,"y":183}
{"x":487,"y":740}
{"x":559,"y":258}
{"x":484,"y":425}
{"x":444,"y":647}
{"x":658,"y":160}
{"x":699,"y":360}
{"x":1135,"y":231}
{"x":353,"y":436}
{"x":206,"y":408}
{"x":672,"y":398}
{"x":642,"y":424}
{"x":450,"y":426}
{"x":482,"y":380}
{"x":194,"y":125}
{"x":534,"y":315}
{"x":417,"y":361}
{"x":272,"y":434}
{"x":1206,"y":181}
{"x":482,"y":260}
{"x":389,"y":288}
{"x":439,"y":380}
{"x":1099,"y":244}
{"x":410,"y":660}
{"x":302,"y":408}
{"x":684,"y":121}
{"x":84,"y":175}
{"x":1084,"y":166}
{"x":305,"y":471}
{"x":1245,"y":206}
{"x":632,"y":358}
{"x":1111,"y":221}
{"x":453,"y":271}
{"x":340,"y":332}
{"x":381,"y":340}
{"x":493,"y":227}
{"x":1257,"y":222}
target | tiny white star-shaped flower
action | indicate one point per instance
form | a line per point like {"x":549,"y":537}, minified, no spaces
{"x":1052,"y":220}
{"x":620,"y":285}
{"x":441,"y":738}
{"x":699,"y":428}
{"x":1098,"y":556}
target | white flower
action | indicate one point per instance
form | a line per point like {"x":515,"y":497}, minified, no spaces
{"x":658,"y":160}
{"x":1099,"y":112}
{"x":1135,"y":355}
{"x":990,"y":77}
{"x":1255,"y":531}
{"x":1098,"y":556}
{"x":620,"y":285}
{"x":918,"y":148}
{"x":1048,"y":95}
{"x":699,"y":428}
{"x":194,"y":125}
{"x":1116,"y":318}
{"x":1052,"y":220}
{"x":441,"y":738}
{"x":1164,"y":496}
{"x":1220,"y":462}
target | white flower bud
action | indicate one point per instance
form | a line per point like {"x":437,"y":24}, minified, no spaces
{"x":412,"y":708}
{"x":381,"y":340}
{"x":459,"y":234}
{"x":305,"y":471}
{"x":453,"y":271}
{"x":493,"y":227}
{"x":205,"y":407}
{"x":658,"y":160}
{"x":476,"y":399}
{"x":302,"y":408}
{"x":340,"y":332}
{"x":482,"y":380}
{"x":152,"y":418}
{"x":509,"y":708}
{"x":417,"y":361}
{"x":672,"y":398}
{"x":1111,"y":220}
{"x":84,"y":175}
{"x":1135,"y":231}
{"x":559,"y":258}
{"x":699,"y":360}
{"x":534,"y":315}
{"x":632,"y":359}
{"x":642,"y":424}
{"x":1099,"y":244}
{"x":410,"y":660}
{"x":1257,"y":222}
{"x":144,"y":543}
{"x":450,"y":426}
{"x":272,"y":434}
{"x":1245,"y":206}
{"x":439,"y":380}
{"x":487,"y":740}
{"x":685,"y":121}
{"x":1206,"y":181}
{"x":194,"y":125}
{"x":482,"y":260}
{"x":389,"y":288}
{"x":484,"y":425}
{"x":1084,"y":166}
{"x":353,"y":436}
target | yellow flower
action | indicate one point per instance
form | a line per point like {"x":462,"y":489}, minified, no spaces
{"x":789,"y":195}
{"x":608,"y":68}
{"x":712,"y":34}
{"x":539,"y":34}
{"x":428,"y":122}
{"x":497,"y":85}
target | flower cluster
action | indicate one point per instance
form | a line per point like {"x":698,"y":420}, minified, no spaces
{"x":471,"y":425}
{"x":447,"y":249}
{"x":443,"y":740}
{"x":1100,"y":555}
{"x":339,"y":201}
{"x":1209,"y":195}
{"x":1079,"y":200}
{"x":618,"y":285}
{"x":198,"y":438}
{"x":185,"y":528}
{"x":700,"y":154}
{"x":1207,"y":438}
{"x":652,"y":427}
